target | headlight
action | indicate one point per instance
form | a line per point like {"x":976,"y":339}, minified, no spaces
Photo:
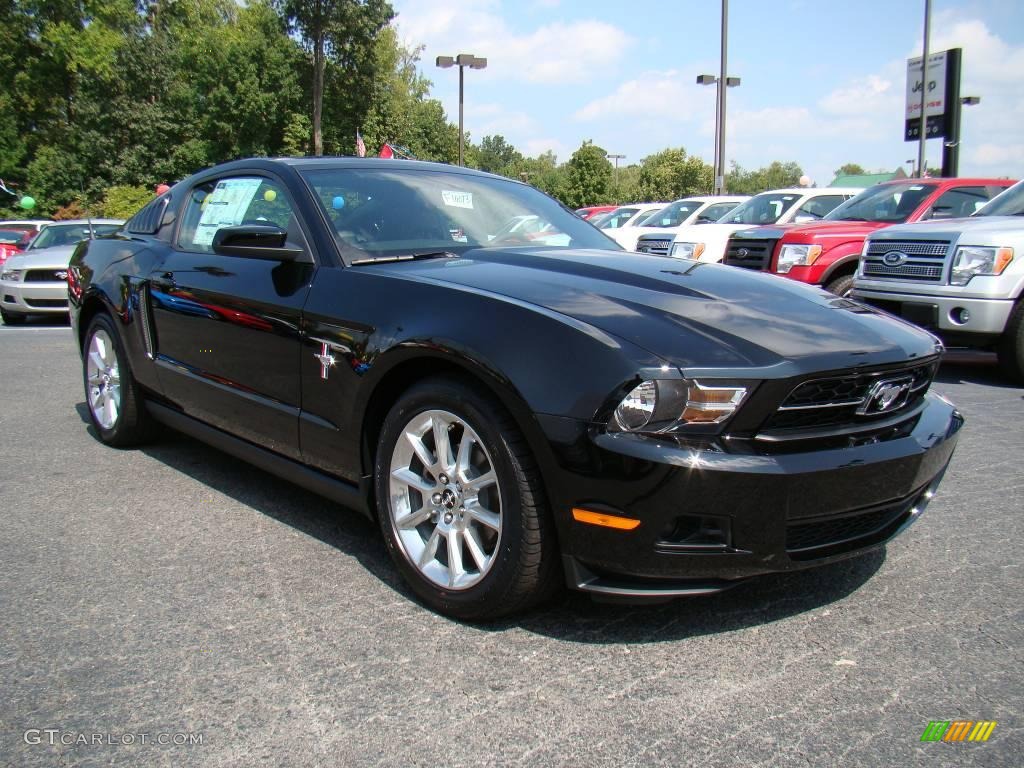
{"x":797,"y":255}
{"x":687,"y":250}
{"x":970,"y":261}
{"x":667,"y":405}
{"x":12,"y":275}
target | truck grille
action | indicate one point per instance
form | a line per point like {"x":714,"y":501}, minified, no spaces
{"x":750,"y":254}
{"x":660,"y":246}
{"x":841,"y":401}
{"x":917,"y":260}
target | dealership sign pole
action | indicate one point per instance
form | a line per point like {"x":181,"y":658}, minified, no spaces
{"x":933,"y":106}
{"x":924,"y":79}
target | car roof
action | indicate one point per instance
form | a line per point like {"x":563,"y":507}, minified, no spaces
{"x":947,"y":181}
{"x":85,"y":222}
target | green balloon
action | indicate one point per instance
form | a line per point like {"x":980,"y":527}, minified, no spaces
{"x":28,"y":203}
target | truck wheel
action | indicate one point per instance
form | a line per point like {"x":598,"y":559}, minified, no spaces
{"x":841,"y":286}
{"x":460,"y":504}
{"x":1010,"y":347}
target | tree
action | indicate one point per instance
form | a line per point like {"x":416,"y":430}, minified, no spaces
{"x":495,"y":155}
{"x":589,"y":177}
{"x":850,"y":169}
{"x":671,"y":174}
{"x":777,"y":175}
{"x":340,"y":30}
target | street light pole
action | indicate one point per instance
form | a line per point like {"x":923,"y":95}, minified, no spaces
{"x":921,"y":167}
{"x":723,"y":81}
{"x":616,"y":158}
{"x":463,"y":60}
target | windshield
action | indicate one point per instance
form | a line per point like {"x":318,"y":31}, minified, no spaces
{"x":618,"y":217}
{"x":11,"y":236}
{"x":1008,"y":203}
{"x":68,"y":234}
{"x":766,"y":208}
{"x":377,"y":213}
{"x":889,"y":203}
{"x":674,"y":214}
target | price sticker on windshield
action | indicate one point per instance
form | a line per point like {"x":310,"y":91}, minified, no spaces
{"x":457,"y":199}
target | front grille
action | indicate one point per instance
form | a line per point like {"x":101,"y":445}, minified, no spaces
{"x":750,"y":254}
{"x":821,"y":538}
{"x":46,"y":276}
{"x":920,"y":260}
{"x":660,"y":247}
{"x":47,"y":303}
{"x":834,"y":401}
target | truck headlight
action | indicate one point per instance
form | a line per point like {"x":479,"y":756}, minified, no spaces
{"x":687,"y":250}
{"x":977,"y":260}
{"x":11,"y":275}
{"x":667,"y":405}
{"x":797,"y":255}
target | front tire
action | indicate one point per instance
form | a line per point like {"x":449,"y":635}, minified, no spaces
{"x":1010,"y":347}
{"x":460,"y":503}
{"x":12,"y":318}
{"x":112,"y":395}
{"x":841,"y":286}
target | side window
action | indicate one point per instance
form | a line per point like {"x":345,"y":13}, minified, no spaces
{"x":231,"y":202}
{"x":958,"y":202}
{"x":715,"y":212}
{"x":818,"y":207}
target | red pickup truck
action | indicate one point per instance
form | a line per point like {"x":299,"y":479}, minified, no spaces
{"x":826,"y":252}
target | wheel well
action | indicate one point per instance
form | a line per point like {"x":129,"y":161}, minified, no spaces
{"x":406,"y":374}
{"x":92,"y":307}
{"x":840,"y":270}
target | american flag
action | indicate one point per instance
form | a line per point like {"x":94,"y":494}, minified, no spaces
{"x":360,"y":146}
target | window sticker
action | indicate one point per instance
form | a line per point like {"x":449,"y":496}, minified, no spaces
{"x":225,"y":207}
{"x":457,"y":199}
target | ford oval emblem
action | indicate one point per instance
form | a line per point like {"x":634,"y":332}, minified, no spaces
{"x":894,"y":259}
{"x":742,"y":252}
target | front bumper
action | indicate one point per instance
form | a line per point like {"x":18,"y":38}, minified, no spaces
{"x":34,"y":298}
{"x":941,"y":314}
{"x":710,"y":519}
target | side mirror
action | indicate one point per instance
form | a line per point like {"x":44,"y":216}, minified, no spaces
{"x":256,"y":241}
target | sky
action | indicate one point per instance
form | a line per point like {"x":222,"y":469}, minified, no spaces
{"x":823,"y":82}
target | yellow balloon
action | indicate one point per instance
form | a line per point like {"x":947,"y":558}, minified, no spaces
{"x":270,"y":195}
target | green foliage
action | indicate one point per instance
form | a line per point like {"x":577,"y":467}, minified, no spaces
{"x":495,"y":155}
{"x":774,"y":176}
{"x":671,"y":174}
{"x":123,"y":202}
{"x":589,"y":177}
{"x":850,"y":169}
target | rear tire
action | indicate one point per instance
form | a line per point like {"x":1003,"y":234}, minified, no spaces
{"x":460,"y":503}
{"x":112,"y":395}
{"x":12,"y":318}
{"x":1010,"y":346}
{"x":841,"y":286}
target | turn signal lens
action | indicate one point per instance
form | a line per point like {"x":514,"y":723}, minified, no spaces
{"x":604,"y":520}
{"x":710,"y":405}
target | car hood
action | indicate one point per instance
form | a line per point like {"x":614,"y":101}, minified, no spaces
{"x":835,"y":229}
{"x":954,"y":227}
{"x":57,"y":257}
{"x":692,"y":314}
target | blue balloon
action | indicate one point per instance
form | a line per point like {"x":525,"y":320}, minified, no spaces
{"x":338,"y":203}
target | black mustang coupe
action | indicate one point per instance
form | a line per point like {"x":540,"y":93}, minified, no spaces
{"x":512,"y":397}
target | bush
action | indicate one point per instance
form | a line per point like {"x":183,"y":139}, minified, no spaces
{"x":123,"y":202}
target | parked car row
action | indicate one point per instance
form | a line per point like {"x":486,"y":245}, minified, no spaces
{"x":33,"y":281}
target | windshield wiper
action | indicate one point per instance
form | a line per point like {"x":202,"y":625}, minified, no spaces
{"x":412,"y":256}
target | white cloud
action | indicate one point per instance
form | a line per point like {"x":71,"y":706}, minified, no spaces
{"x":655,"y":96}
{"x":535,"y":147}
{"x":560,"y":52}
{"x":997,"y":156}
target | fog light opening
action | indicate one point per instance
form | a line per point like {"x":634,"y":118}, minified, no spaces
{"x":960,"y":315}
{"x":698,"y":532}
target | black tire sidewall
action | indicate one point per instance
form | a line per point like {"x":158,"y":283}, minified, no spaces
{"x":123,"y":432}
{"x":486,"y":596}
{"x":844,"y":283}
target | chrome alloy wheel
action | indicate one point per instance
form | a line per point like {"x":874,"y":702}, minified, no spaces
{"x":104,"y":380}
{"x":445,"y":500}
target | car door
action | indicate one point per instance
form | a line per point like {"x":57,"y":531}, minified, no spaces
{"x":228,"y":326}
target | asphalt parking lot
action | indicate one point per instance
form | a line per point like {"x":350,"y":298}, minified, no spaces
{"x":175,"y":592}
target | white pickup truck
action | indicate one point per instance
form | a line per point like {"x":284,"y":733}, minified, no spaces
{"x":962,"y":279}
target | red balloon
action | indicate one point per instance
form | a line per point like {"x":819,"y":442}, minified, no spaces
{"x":162,"y":188}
